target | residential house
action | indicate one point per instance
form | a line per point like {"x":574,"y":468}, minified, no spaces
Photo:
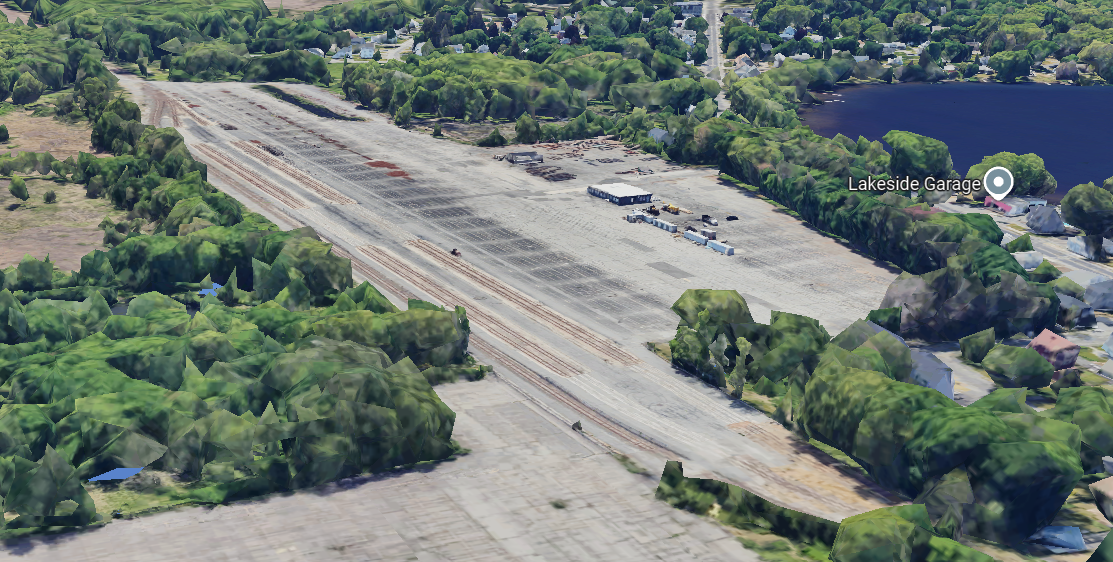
{"x":316,"y":51}
{"x":816,"y":38}
{"x":690,"y":9}
{"x":628,"y":9}
{"x":890,"y":48}
{"x":415,"y":25}
{"x":345,"y":53}
{"x":513,"y":17}
{"x":367,"y":52}
{"x":788,"y":33}
{"x":483,"y":49}
{"x":766,"y":47}
{"x":458,"y":48}
{"x":555,"y":28}
{"x":420,"y":48}
{"x":358,"y":41}
{"x":687,"y":36}
{"x":747,"y":71}
{"x":660,"y":135}
{"x":565,"y":41}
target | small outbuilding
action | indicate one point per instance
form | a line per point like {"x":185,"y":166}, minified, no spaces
{"x":620,"y":193}
{"x":524,"y":158}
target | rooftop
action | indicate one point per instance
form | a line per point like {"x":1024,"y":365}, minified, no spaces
{"x":621,"y":189}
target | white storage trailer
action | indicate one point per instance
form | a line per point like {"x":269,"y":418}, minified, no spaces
{"x":620,"y":193}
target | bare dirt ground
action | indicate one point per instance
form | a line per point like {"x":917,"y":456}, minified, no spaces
{"x":298,"y":6}
{"x":66,"y":230}
{"x":45,"y":134}
{"x":11,"y":13}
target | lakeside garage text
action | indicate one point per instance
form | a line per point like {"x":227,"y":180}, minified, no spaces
{"x":955,"y":185}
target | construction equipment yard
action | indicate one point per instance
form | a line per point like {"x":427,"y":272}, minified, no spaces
{"x":561,"y":291}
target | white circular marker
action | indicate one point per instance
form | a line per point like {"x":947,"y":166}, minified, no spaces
{"x":998,"y":182}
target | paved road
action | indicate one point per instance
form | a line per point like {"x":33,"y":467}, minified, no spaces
{"x":711,"y":11}
{"x":561,"y":292}
{"x":491,"y":504}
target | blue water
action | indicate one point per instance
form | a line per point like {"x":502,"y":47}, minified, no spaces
{"x":1070,"y":127}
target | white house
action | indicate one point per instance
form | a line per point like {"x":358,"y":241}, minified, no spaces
{"x":458,"y":48}
{"x":316,"y":51}
{"x":345,"y":53}
{"x":686,"y":35}
{"x":690,"y":9}
{"x":555,"y":28}
{"x":419,"y":48}
{"x":628,"y":9}
{"x":513,"y":17}
{"x":788,"y":33}
{"x":356,"y":41}
{"x":816,"y":38}
{"x":483,"y":49}
{"x":367,"y":52}
{"x":565,"y":41}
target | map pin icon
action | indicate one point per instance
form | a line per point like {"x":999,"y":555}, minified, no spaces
{"x":998,"y":182}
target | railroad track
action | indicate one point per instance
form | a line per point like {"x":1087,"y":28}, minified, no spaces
{"x":177,"y":104}
{"x":262,"y":202}
{"x":512,"y":365}
{"x":281,"y":195}
{"x":577,"y":333}
{"x":325,"y":192}
{"x":570,"y":401}
{"x":490,"y":323}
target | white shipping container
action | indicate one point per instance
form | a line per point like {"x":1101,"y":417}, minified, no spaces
{"x":710,"y":234}
{"x":695,"y":237}
{"x":720,"y":247}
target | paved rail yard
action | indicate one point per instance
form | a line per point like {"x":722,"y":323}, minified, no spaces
{"x":562,"y":294}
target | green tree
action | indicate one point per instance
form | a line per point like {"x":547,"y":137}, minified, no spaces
{"x":281,"y":11}
{"x":437,"y":130}
{"x":526,"y":130}
{"x":49,"y":197}
{"x":1029,"y":174}
{"x":1010,"y":65}
{"x":662,"y":18}
{"x":696,"y":24}
{"x":18,"y":188}
{"x":1099,"y":55}
{"x":377,"y":55}
{"x":493,"y":139}
{"x":142,"y":64}
{"x":403,"y":115}
{"x":27,"y":89}
{"x":1088,"y":207}
{"x":3,"y":133}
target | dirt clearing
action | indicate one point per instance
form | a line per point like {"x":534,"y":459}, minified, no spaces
{"x":66,"y":229}
{"x":44,"y":134}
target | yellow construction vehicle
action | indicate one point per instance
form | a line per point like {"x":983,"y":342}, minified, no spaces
{"x":672,"y":209}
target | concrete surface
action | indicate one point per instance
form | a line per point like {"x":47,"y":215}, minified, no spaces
{"x":491,"y":504}
{"x":561,"y":291}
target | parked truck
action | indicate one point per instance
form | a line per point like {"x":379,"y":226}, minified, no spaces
{"x":707,"y":219}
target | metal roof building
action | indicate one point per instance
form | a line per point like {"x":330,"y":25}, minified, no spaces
{"x":620,"y":193}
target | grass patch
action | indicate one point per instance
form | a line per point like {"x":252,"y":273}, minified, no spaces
{"x":840,"y":456}
{"x":1090,"y":379}
{"x":6,"y":108}
{"x":662,"y":350}
{"x":774,"y":548}
{"x":305,"y":104}
{"x":740,"y":183}
{"x":629,"y":464}
{"x":1089,"y":355}
{"x":765,"y":404}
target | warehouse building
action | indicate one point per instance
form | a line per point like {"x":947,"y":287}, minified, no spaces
{"x":620,"y":193}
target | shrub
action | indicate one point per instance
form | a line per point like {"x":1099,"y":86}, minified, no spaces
{"x":18,"y":188}
{"x":49,"y":197}
{"x":3,"y":133}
